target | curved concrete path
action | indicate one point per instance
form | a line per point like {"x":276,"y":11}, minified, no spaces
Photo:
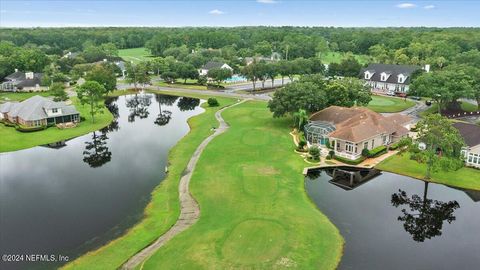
{"x":189,"y":210}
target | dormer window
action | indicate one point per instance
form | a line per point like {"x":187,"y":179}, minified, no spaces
{"x":401,"y":78}
{"x":384,"y":76}
{"x":368,"y":75}
{"x":54,"y":110}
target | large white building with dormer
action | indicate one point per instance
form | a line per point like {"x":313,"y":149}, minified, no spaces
{"x":389,"y":79}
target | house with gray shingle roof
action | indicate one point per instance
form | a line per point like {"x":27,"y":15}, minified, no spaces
{"x":389,"y":79}
{"x":38,"y":111}
{"x":23,"y":81}
{"x":203,"y":71}
{"x":471,"y":136}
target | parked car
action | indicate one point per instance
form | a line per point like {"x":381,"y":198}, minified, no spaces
{"x":428,"y":102}
{"x":415,"y":98}
{"x":391,"y":93}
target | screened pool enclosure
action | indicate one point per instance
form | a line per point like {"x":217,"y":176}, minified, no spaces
{"x":316,"y":132}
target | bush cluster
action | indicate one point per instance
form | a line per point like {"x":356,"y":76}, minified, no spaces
{"x":213,"y":102}
{"x":349,"y":161}
{"x":375,"y":152}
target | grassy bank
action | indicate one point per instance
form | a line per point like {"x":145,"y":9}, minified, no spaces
{"x":337,"y":57}
{"x":13,"y":140}
{"x":383,"y":104}
{"x":255,"y":213}
{"x":163,"y":209}
{"x":402,"y":164}
{"x":135,"y":55}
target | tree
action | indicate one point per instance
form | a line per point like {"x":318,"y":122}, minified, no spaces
{"x":444,"y":86}
{"x":322,"y":47}
{"x":295,"y":96}
{"x":314,"y":152}
{"x":284,"y":68}
{"x":213,"y":102}
{"x":58,"y":90}
{"x":103,"y":75}
{"x":348,"y":92}
{"x":159,"y":65}
{"x":348,"y":67}
{"x":300,"y":119}
{"x":169,"y":76}
{"x":252,"y":73}
{"x":219,"y":74}
{"x":185,"y":71}
{"x":91,"y":93}
{"x":137,"y":74}
{"x":443,"y":144}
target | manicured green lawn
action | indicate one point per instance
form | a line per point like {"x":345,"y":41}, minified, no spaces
{"x":337,"y":57}
{"x":163,"y":209}
{"x":135,"y":55}
{"x":383,"y":104}
{"x":255,"y":213}
{"x":401,"y":164}
{"x":466,"y":106}
{"x":19,"y":96}
{"x":12,"y":140}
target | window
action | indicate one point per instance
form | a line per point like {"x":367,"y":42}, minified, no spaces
{"x":367,"y":75}
{"x":54,"y":110}
{"x":349,"y":147}
{"x":373,"y":143}
{"x":385,"y":139}
{"x":365,"y":145}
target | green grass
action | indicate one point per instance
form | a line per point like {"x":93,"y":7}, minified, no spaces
{"x":383,"y":104}
{"x":255,"y":213}
{"x":163,"y":209}
{"x":19,"y":96}
{"x":13,"y":140}
{"x":135,"y":55}
{"x":466,"y":106}
{"x":337,"y":57}
{"x":468,"y":178}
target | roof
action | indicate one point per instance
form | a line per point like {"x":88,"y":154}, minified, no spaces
{"x":469,"y":132}
{"x":393,"y":70}
{"x":34,"y":108}
{"x":20,"y":78}
{"x":358,"y":124}
{"x":212,"y":64}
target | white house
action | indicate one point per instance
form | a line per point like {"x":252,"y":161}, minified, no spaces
{"x":471,"y":136}
{"x":389,"y":79}
{"x":203,"y":71}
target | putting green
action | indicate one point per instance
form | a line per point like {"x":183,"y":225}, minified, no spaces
{"x":384,"y":104}
{"x":254,"y":181}
{"x":254,"y":241}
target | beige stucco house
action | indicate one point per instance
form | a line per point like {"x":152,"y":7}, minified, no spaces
{"x":350,"y":130}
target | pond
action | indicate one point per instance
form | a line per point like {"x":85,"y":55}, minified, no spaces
{"x":71,"y":197}
{"x":396,"y":222}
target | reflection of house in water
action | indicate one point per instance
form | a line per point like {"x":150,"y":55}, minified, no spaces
{"x":56,"y":145}
{"x":350,"y":177}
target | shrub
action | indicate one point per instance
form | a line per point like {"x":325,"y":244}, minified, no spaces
{"x":301,"y":145}
{"x":314,"y":152}
{"x":365,"y":152}
{"x":331,"y":153}
{"x":213,"y":102}
{"x":394,"y":146}
{"x":349,"y":161}
{"x":377,"y":151}
{"x":22,"y":128}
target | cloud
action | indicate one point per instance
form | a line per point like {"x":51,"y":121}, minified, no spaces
{"x":429,"y":7}
{"x":406,"y":5}
{"x":267,"y":1}
{"x":216,"y":12}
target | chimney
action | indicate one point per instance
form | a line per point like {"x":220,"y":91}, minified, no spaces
{"x":28,"y":75}
{"x":427,"y":68}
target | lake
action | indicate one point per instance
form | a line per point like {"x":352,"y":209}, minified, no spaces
{"x":396,"y":222}
{"x":71,"y":197}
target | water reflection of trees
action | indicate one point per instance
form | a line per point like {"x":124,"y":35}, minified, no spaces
{"x":188,"y":104}
{"x":111,"y":104}
{"x":164,"y":116}
{"x":138,"y":106}
{"x":96,"y":152}
{"x":422,"y":217}
{"x":313,"y":174}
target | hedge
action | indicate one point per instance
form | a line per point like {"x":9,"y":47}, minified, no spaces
{"x":349,"y":161}
{"x":377,"y":151}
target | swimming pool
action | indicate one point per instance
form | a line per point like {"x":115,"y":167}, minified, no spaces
{"x":236,"y":79}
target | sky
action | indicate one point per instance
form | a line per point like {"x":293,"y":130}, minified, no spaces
{"x":340,"y":13}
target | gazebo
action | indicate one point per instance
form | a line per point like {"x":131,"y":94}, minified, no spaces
{"x":317,"y":132}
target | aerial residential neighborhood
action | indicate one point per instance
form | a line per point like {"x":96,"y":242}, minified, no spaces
{"x":239,"y":134}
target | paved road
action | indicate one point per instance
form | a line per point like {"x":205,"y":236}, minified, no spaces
{"x":189,"y":210}
{"x":258,"y":85}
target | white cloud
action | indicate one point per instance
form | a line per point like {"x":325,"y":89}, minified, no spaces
{"x":429,"y":7}
{"x":216,"y":12}
{"x":267,"y":1}
{"x":406,"y":5}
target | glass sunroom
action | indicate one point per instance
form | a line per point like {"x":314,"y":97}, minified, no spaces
{"x":316,"y":132}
